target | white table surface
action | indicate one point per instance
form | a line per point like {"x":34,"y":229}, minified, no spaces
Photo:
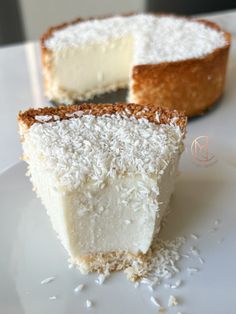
{"x":21,"y":87}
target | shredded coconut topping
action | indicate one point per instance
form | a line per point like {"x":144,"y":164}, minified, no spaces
{"x":201,"y":260}
{"x":97,"y":148}
{"x":156,"y":38}
{"x":172,"y":301}
{"x":154,"y":301}
{"x":194,"y":251}
{"x":47,"y":280}
{"x":89,"y":303}
{"x":194,"y":236}
{"x":100,"y":280}
{"x":176,"y":285}
{"x":79,"y":288}
{"x":161,"y":264}
{"x":192,"y":270}
{"x":43,"y":118}
{"x":102,"y":276}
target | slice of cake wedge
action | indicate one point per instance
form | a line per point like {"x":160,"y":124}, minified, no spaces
{"x":105,"y":174}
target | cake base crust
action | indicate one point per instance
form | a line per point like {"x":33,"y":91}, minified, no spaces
{"x":111,"y":262}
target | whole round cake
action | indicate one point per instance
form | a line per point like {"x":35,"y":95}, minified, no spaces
{"x":175,"y":62}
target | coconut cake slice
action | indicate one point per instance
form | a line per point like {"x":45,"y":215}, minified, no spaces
{"x":105,"y":174}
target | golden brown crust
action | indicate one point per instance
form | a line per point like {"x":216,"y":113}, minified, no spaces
{"x":191,"y":85}
{"x":114,"y":261}
{"x":63,"y":112}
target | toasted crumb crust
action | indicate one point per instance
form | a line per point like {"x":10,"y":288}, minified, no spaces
{"x":149,"y":112}
{"x":112,"y":262}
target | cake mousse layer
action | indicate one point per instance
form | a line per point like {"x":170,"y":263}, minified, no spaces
{"x":162,"y":59}
{"x":105,"y":174}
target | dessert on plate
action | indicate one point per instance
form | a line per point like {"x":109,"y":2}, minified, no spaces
{"x":105,"y":174}
{"x":176,"y":62}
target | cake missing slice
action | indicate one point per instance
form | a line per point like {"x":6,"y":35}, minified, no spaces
{"x":162,"y":59}
{"x":105,"y":174}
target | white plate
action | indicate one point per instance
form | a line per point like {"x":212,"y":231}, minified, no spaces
{"x":30,"y":251}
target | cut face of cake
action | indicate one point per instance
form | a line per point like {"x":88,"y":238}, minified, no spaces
{"x":105,"y":175}
{"x":164,"y":60}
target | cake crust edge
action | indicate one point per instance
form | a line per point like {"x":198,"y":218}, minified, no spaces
{"x":199,"y":82}
{"x":63,"y":112}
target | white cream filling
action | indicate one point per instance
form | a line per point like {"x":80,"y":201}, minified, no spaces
{"x":90,"y":67}
{"x":51,"y":199}
{"x":123,"y":215}
{"x":110,"y":219}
